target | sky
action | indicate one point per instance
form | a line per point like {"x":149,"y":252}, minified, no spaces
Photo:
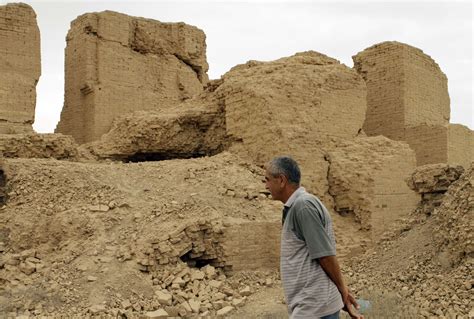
{"x":238,"y":31}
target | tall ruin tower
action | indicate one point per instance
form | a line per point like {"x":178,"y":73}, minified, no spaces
{"x":407,"y":98}
{"x":20,"y":67}
{"x":117,"y":64}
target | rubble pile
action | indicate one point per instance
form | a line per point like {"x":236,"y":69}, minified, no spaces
{"x":455,"y":219}
{"x":187,"y":291}
{"x":426,"y":264}
{"x":63,"y":245}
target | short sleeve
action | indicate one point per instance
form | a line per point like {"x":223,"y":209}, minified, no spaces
{"x":309,"y":226}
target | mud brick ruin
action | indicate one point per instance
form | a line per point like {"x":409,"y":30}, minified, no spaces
{"x":116,"y":64}
{"x":152,"y":182}
{"x":20,"y":68}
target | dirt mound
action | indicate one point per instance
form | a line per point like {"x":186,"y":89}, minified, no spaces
{"x":425,"y":264}
{"x":95,"y":238}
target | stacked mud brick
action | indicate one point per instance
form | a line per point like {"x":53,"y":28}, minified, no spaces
{"x":20,"y":67}
{"x":234,"y":246}
{"x":252,"y":245}
{"x":192,"y":241}
{"x":117,"y":64}
{"x":408,"y":100}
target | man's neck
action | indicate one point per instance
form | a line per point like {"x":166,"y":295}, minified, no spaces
{"x":288,"y":192}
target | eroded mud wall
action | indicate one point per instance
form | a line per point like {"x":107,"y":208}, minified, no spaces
{"x":20,"y":67}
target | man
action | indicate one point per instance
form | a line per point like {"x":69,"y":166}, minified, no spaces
{"x":310,"y":273}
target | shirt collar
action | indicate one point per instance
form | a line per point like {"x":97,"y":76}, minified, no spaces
{"x":294,"y":196}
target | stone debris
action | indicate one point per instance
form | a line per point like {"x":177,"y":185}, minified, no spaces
{"x":97,"y":309}
{"x":157,"y":314}
{"x":221,"y":313}
{"x":186,"y":267}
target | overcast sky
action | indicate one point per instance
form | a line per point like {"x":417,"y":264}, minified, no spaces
{"x":238,"y":31}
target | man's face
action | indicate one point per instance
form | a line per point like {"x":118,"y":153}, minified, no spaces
{"x":274,"y":184}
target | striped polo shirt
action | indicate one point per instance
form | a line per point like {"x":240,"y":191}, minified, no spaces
{"x":307,"y":235}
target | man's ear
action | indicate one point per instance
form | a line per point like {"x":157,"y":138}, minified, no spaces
{"x":284,"y":181}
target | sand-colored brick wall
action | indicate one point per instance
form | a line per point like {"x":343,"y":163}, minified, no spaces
{"x":425,"y":90}
{"x":20,"y":67}
{"x":381,"y":68}
{"x":460,"y":145}
{"x":252,"y":245}
{"x":117,"y":64}
{"x":367,"y":180}
{"x":430,"y":143}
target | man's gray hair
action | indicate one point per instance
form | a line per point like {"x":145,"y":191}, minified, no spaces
{"x":285,"y":165}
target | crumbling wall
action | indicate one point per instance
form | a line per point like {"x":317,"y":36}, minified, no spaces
{"x":230,"y":244}
{"x":407,"y":95}
{"x":20,"y":67}
{"x":460,"y":145}
{"x":293,"y":106}
{"x":116,"y":64}
{"x":367,"y":180}
{"x":431,"y":182}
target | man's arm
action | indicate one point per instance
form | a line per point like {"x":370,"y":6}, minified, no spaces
{"x":331,"y":266}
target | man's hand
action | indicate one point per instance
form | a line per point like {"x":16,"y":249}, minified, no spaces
{"x":331,"y":266}
{"x":349,"y":304}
